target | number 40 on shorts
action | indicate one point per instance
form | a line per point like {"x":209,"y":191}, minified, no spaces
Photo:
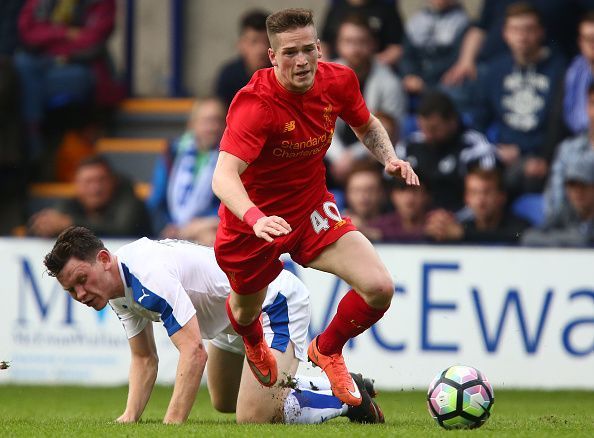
{"x":320,"y":222}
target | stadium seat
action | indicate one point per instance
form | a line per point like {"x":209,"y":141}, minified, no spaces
{"x":151,"y":118}
{"x":530,"y":207}
{"x":147,"y":106}
{"x":132,"y":157}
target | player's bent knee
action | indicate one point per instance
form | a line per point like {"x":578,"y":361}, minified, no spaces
{"x":379,"y":292}
{"x":223,"y":406}
{"x":271,"y":412}
{"x":246,"y":316}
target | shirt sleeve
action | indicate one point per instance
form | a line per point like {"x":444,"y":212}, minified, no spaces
{"x":354,"y":111}
{"x":38,"y":34}
{"x":248,"y":123}
{"x":132,"y":322}
{"x":99,"y":23}
{"x":215,"y":279}
{"x":164,"y":295}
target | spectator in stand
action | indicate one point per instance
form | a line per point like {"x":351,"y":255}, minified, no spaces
{"x":484,"y":41}
{"x":253,"y":55}
{"x":556,"y":203}
{"x":104,"y":203}
{"x":575,"y":226}
{"x":407,"y":222}
{"x":485,"y":219}
{"x":433,"y":39}
{"x":182,"y":203}
{"x":65,"y":60}
{"x":578,"y":78}
{"x":365,"y":196}
{"x":444,"y":149}
{"x":383,"y":19}
{"x":381,"y":89}
{"x":516,"y":96}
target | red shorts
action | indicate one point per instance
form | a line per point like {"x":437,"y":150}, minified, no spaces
{"x":252,"y":263}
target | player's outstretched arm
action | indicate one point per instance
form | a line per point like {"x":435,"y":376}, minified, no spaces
{"x":143,"y":372}
{"x":190,"y":367}
{"x":375,"y":138}
{"x":227,"y":185}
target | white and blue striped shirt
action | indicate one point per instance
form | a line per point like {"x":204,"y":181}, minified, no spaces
{"x":171,"y":281}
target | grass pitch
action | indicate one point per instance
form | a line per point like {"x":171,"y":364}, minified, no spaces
{"x":79,"y":411}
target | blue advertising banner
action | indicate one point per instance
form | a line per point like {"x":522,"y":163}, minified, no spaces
{"x":524,"y":317}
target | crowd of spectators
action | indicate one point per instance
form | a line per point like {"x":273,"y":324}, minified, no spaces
{"x":55,"y":75}
{"x":496,"y":115}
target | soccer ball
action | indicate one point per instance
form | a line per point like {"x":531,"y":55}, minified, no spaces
{"x":460,"y":397}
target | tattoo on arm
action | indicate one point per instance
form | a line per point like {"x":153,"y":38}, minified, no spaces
{"x":377,"y":141}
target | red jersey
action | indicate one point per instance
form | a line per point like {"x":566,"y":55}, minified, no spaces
{"x":284,"y":136}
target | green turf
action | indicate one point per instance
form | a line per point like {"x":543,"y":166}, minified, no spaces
{"x":74,"y":411}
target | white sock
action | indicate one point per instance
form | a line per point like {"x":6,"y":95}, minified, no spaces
{"x":312,"y":407}
{"x":312,"y":383}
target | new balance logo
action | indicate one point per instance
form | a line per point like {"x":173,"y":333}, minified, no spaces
{"x":289,"y":126}
{"x":144,"y":295}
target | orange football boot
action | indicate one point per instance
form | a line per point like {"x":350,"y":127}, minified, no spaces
{"x":343,"y":385}
{"x":262,"y":362}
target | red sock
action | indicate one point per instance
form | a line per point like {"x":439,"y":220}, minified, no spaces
{"x":352,"y":318}
{"x":251,"y":333}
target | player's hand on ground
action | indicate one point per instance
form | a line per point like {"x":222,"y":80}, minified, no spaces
{"x":269,"y":227}
{"x":400,"y":168}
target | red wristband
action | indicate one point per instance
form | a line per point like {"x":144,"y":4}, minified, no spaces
{"x":252,"y":215}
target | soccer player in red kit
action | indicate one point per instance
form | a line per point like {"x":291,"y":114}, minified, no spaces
{"x":270,"y":178}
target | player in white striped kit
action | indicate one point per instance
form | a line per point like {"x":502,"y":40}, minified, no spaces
{"x":180,"y":284}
